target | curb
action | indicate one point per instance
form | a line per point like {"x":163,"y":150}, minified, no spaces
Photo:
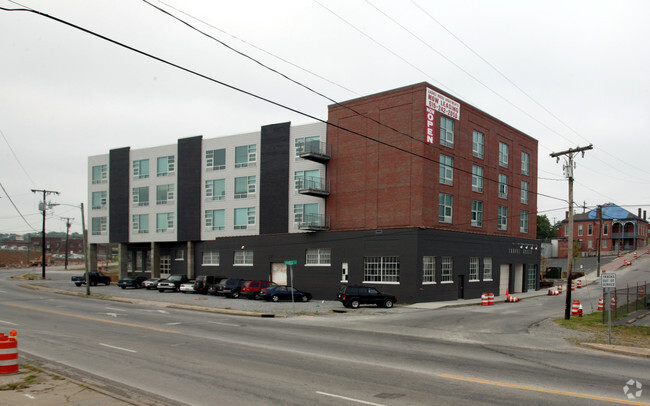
{"x":619,"y":349}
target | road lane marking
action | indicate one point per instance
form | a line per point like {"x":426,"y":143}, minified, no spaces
{"x":175,"y":323}
{"x":363,"y":402}
{"x":117,"y":348}
{"x":224,"y":324}
{"x":8,"y":322}
{"x":76,"y":316}
{"x":543,"y":390}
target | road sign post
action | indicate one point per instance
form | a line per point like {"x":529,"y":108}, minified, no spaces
{"x":290,"y":264}
{"x":607,"y":282}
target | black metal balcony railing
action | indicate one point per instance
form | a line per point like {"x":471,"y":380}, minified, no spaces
{"x":314,"y":222}
{"x":315,"y":151}
{"x":312,"y":186}
{"x":616,"y":236}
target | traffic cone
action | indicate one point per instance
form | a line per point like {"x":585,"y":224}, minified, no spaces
{"x":601,"y":305}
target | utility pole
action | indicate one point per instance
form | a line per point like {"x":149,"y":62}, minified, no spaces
{"x":45,"y":193}
{"x":568,"y":172}
{"x":600,"y":236}
{"x":67,"y":232}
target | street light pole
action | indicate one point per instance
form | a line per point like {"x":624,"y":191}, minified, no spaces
{"x":45,"y":193}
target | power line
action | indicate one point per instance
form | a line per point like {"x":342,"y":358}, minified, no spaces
{"x":15,"y":207}
{"x":16,"y":157}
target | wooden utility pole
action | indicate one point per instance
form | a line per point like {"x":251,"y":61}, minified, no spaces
{"x":568,"y":172}
{"x":67,"y":232}
{"x":44,"y":208}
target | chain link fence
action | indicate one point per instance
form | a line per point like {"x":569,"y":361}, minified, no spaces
{"x":629,"y":299}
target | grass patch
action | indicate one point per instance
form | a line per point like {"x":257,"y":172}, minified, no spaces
{"x":25,"y":382}
{"x":627,"y":335}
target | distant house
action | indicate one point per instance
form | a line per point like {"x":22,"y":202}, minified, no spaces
{"x":621,"y":230}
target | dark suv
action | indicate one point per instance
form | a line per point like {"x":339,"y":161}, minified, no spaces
{"x":230,"y":287}
{"x":203,"y":282}
{"x":355,"y":295}
{"x":251,"y":289}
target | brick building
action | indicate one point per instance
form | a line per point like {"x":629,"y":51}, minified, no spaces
{"x":410,"y":190}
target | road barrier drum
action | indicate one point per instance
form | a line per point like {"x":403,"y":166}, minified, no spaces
{"x":635,"y":255}
{"x":575,"y":308}
{"x":559,"y":288}
{"x":573,"y":286}
{"x":579,"y":284}
{"x":552,"y":292}
{"x":601,"y":305}
{"x":641,"y":292}
{"x":8,"y":354}
{"x":490,"y":299}
{"x":612,"y":304}
{"x":484,"y":299}
{"x":512,"y":299}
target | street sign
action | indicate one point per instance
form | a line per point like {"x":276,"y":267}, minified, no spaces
{"x":608,"y":280}
{"x":294,"y":262}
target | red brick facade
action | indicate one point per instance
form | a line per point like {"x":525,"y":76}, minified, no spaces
{"x":374,"y":185}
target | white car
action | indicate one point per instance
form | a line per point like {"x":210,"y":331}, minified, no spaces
{"x":188,"y":287}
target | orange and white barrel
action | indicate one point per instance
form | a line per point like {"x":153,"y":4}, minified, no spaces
{"x":8,"y":354}
{"x":601,"y":305}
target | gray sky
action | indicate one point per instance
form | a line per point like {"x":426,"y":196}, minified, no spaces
{"x":571,"y":73}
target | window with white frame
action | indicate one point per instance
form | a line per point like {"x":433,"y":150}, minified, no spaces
{"x":445,"y":206}
{"x":141,"y":196}
{"x":307,"y":179}
{"x":99,"y":174}
{"x":590,"y":229}
{"x":244,"y":218}
{"x":604,"y":243}
{"x":477,"y":213}
{"x":447,"y":269}
{"x":525,"y":163}
{"x":590,"y":244}
{"x":245,"y":155}
{"x":165,"y":165}
{"x":215,"y":189}
{"x":428,"y":270}
{"x":524,"y":192}
{"x":141,"y":169}
{"x":307,"y":144}
{"x":580,"y":229}
{"x":210,"y":258}
{"x":605,"y":229}
{"x":215,"y":220}
{"x":487,"y":269}
{"x":503,"y":186}
{"x":243,"y":258}
{"x":473,"y":269}
{"x":305,"y":213}
{"x":99,"y":200}
{"x":164,"y":222}
{"x":244,"y":187}
{"x":98,"y":225}
{"x":478,"y":144}
{"x":215,"y":159}
{"x":318,"y":256}
{"x":446,"y":131}
{"x":179,"y":255}
{"x":477,"y":179}
{"x":502,"y":218}
{"x":381,"y":269}
{"x":523,"y":221}
{"x":140,"y":223}
{"x":446,"y":170}
{"x":503,"y":154}
{"x":164,"y":194}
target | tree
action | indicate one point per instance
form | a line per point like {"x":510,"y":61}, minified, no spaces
{"x":544,"y":229}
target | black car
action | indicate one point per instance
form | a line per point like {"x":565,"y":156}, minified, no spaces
{"x":280,"y":292}
{"x":203,"y":282}
{"x":172,"y":283}
{"x":355,"y":295}
{"x":230,"y":287}
{"x":131,"y":282}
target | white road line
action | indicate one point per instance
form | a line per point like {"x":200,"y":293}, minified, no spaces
{"x":174,"y":324}
{"x":117,"y":348}
{"x":363,"y":402}
{"x":8,"y":322}
{"x":114,"y":308}
{"x":29,"y":396}
{"x":225,"y":324}
{"x":112,"y":314}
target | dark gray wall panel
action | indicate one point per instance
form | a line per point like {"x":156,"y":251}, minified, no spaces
{"x":189,"y":188}
{"x":118,"y":194}
{"x":274,"y":178}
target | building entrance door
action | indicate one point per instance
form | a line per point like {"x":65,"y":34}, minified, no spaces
{"x":519,"y":279}
{"x":504,"y":280}
{"x":461,"y":286}
{"x":279,"y":273}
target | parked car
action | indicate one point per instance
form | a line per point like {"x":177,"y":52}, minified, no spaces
{"x":131,"y":282}
{"x":354,"y":295}
{"x":280,"y":292}
{"x":151,"y":283}
{"x":203,"y":282}
{"x":94,"y":278}
{"x":188,"y":287}
{"x":171,"y":283}
{"x":251,"y":289}
{"x":230,"y":287}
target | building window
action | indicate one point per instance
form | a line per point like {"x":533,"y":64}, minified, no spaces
{"x":525,"y":163}
{"x":428,"y":270}
{"x":487,"y":269}
{"x":524,"y":192}
{"x":445,"y":205}
{"x":141,"y":169}
{"x":305,"y":213}
{"x":447,"y":270}
{"x":215,"y":189}
{"x":165,"y":166}
{"x":478,"y":144}
{"x":141,"y":196}
{"x":604,"y":243}
{"x":215,"y":220}
{"x":532,"y":277}
{"x":503,"y":186}
{"x":179,"y":255}
{"x":605,"y":229}
{"x":100,"y":174}
{"x":446,"y":170}
{"x":210,"y":258}
{"x":98,"y":226}
{"x":243,"y":258}
{"x":99,"y":200}
{"x":164,"y":222}
{"x":502,"y":218}
{"x":477,"y":179}
{"x":477,"y":213}
{"x":141,"y":223}
{"x":318,"y":256}
{"x":244,"y":186}
{"x":566,"y":230}
{"x":244,"y":218}
{"x":164,"y":194}
{"x":590,"y":244}
{"x":246,"y":155}
{"x":580,"y":229}
{"x":381,"y":269}
{"x":215,"y":159}
{"x":307,"y":144}
{"x":590,"y":229}
{"x":473,"y":269}
{"x":307,"y":179}
{"x":523,"y":221}
{"x":446,"y":131}
{"x":503,"y":154}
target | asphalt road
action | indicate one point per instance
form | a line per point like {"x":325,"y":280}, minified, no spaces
{"x":504,"y":354}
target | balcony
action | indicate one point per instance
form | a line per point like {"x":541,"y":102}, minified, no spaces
{"x":315,"y":151}
{"x":312,"y":186}
{"x":314,"y":222}
{"x":622,"y":236}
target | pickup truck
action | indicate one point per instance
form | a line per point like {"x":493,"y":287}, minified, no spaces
{"x":94,"y":277}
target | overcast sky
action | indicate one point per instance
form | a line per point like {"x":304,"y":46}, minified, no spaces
{"x":568,"y":73}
